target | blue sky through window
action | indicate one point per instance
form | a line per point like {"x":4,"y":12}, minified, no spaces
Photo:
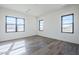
{"x":67,"y":19}
{"x":20,"y":21}
{"x":11,"y":20}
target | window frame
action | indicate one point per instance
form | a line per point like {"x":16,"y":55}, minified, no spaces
{"x":68,"y":23}
{"x":14,"y":24}
{"x":39,"y":25}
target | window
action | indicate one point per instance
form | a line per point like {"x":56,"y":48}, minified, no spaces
{"x":41,"y":23}
{"x":14,"y":24}
{"x":67,"y":23}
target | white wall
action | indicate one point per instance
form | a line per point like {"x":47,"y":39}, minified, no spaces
{"x":30,"y":25}
{"x":52,"y":25}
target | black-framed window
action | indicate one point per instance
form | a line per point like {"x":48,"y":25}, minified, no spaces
{"x":14,"y":24}
{"x":67,"y":23}
{"x":41,"y":25}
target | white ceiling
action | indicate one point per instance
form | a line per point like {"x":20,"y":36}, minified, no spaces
{"x":33,"y":9}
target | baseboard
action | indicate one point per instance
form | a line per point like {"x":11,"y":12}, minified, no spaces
{"x":16,"y":38}
{"x":57,"y":39}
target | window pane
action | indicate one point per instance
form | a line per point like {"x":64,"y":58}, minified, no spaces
{"x":67,"y":19}
{"x":41,"y":27}
{"x":67,"y":28}
{"x":11,"y":28}
{"x":20,"y":27}
{"x":41,"y":22}
{"x":20,"y":21}
{"x":11,"y":20}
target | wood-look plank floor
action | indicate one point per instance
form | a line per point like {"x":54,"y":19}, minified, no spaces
{"x":38,"y":45}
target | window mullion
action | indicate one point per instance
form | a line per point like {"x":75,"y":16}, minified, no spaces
{"x":16,"y":24}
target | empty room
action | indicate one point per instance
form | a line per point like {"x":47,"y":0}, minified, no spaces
{"x":39,"y":29}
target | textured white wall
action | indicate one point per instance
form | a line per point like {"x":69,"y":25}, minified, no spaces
{"x":52,"y":25}
{"x":30,"y":25}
